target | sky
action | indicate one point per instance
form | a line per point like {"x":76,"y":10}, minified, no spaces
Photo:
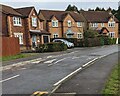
{"x":61,"y":4}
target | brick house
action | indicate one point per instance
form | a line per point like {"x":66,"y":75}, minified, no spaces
{"x":24,"y":24}
{"x":35,"y":34}
{"x":62,"y":24}
{"x":102,"y":21}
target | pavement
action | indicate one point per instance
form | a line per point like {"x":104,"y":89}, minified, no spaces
{"x":48,"y":69}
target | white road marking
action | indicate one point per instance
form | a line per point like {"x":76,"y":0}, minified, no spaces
{"x":49,"y":56}
{"x":36,"y":62}
{"x":71,"y":74}
{"x":9,"y":78}
{"x":50,"y":61}
{"x":74,"y":72}
{"x":75,"y":57}
{"x":89,"y":62}
{"x":57,"y":62}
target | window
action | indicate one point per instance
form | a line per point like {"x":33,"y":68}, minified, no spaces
{"x":111,"y":24}
{"x":55,"y":35}
{"x":94,"y":24}
{"x":54,"y":23}
{"x":34,"y":21}
{"x":20,"y":36}
{"x":79,"y":24}
{"x":69,"y":23}
{"x":80,"y":35}
{"x":17,"y":21}
{"x":112,"y":34}
{"x":102,"y":24}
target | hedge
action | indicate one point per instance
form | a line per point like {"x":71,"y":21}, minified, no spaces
{"x":51,"y":47}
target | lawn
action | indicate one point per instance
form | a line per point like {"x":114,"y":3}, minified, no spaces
{"x":22,"y":55}
{"x":113,"y":83}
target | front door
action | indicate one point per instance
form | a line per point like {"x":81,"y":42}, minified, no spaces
{"x":45,"y":38}
{"x":34,"y":39}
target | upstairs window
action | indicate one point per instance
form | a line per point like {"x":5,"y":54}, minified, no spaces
{"x":69,"y":23}
{"x":34,"y":21}
{"x":79,"y":24}
{"x":17,"y":21}
{"x":54,"y":23}
{"x":102,"y":24}
{"x":94,"y":24}
{"x":111,"y":24}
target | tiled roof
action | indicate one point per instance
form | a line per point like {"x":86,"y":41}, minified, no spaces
{"x":24,"y":11}
{"x":97,"y":16}
{"x":9,"y":10}
{"x":60,"y":15}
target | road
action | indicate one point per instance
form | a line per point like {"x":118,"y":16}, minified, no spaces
{"x":44,"y":75}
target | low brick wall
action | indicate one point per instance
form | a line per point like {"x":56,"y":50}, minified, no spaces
{"x":10,"y":46}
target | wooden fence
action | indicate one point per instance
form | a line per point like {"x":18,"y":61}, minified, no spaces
{"x":10,"y":46}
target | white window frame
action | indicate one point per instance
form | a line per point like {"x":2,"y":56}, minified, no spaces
{"x":55,"y":35}
{"x":69,"y":22}
{"x":34,"y":21}
{"x":102,"y":24}
{"x":54,"y":23}
{"x":79,"y":24}
{"x":111,"y":24}
{"x":17,"y":21}
{"x":94,"y":24}
{"x":112,"y":34}
{"x":20,"y":36}
{"x":79,"y":35}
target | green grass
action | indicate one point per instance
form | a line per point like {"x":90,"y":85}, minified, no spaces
{"x":22,"y":55}
{"x":113,"y":83}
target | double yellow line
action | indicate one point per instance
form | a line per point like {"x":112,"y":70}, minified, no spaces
{"x":39,"y":93}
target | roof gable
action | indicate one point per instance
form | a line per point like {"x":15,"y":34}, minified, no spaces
{"x":25,"y":11}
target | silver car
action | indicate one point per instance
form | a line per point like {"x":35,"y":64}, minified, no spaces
{"x":69,"y":44}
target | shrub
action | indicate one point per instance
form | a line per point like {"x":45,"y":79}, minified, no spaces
{"x":90,"y":33}
{"x":51,"y":47}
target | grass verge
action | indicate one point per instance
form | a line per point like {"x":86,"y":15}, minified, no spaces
{"x":22,"y":55}
{"x":112,"y":86}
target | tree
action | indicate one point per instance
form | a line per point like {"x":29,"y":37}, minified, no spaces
{"x":98,"y":9}
{"x":72,"y":8}
{"x":90,"y":9}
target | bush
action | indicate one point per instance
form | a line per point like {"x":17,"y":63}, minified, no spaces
{"x":90,"y":34}
{"x":51,"y":47}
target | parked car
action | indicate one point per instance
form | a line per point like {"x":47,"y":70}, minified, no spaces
{"x":69,"y":44}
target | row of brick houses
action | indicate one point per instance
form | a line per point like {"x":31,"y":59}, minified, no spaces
{"x":33,"y":29}
{"x":72,"y":24}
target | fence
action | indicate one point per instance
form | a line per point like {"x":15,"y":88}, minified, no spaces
{"x":10,"y":46}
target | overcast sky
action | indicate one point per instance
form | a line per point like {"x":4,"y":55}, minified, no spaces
{"x":62,"y":4}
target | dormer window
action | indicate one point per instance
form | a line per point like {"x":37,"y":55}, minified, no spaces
{"x":111,"y":24}
{"x":17,"y":21}
{"x":54,"y":23}
{"x":94,"y":24}
{"x":34,"y":21}
{"x":69,"y":23}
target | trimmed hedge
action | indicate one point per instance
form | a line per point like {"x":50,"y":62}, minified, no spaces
{"x":97,"y":41}
{"x":51,"y":47}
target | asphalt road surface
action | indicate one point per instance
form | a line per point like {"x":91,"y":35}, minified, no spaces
{"x":43,"y":75}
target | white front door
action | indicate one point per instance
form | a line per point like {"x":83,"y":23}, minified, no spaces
{"x":34,"y":40}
